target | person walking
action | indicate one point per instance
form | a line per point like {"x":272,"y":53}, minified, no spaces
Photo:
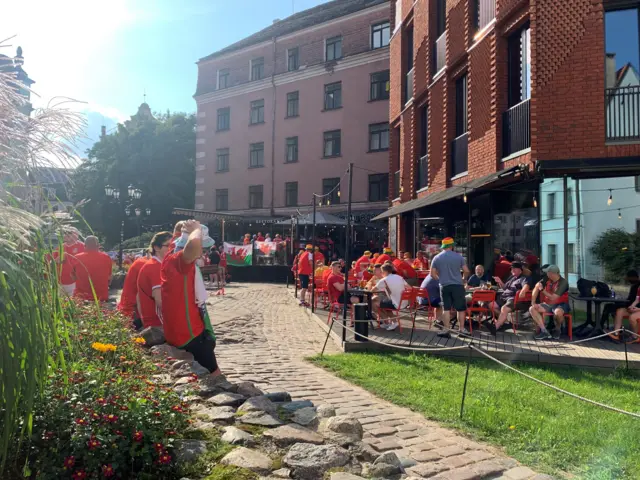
{"x":449,"y":267}
{"x":305,"y":268}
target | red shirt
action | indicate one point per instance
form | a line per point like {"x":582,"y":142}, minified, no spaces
{"x":332,"y":280}
{"x":304,"y":264}
{"x":502,"y":269}
{"x":364,"y":259}
{"x":128,"y":304}
{"x":421,"y":264}
{"x":382,"y":258}
{"x":93,"y":268}
{"x":319,"y":257}
{"x":260,"y":238}
{"x":182,"y":322}
{"x":367,"y":275}
{"x":325,"y":276}
{"x":223,"y":260}
{"x":148,"y":280}
{"x":404,"y":269}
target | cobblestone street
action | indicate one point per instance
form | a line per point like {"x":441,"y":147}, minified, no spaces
{"x":264,"y":336}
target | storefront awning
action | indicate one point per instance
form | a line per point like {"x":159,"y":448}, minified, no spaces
{"x":203,"y":215}
{"x":451,"y":192}
{"x":590,"y":167}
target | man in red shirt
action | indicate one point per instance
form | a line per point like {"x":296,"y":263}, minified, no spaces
{"x":305,"y":268}
{"x":319,"y":256}
{"x":186,"y":324}
{"x":335,"y":285}
{"x":66,"y":267}
{"x":406,"y":271}
{"x":93,"y":272}
{"x":365,"y":260}
{"x":387,"y":256}
{"x":149,"y":282}
{"x":128,"y":300}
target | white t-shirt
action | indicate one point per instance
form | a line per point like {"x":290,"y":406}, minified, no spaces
{"x":394,"y":285}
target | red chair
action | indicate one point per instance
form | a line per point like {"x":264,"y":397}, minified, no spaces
{"x":519,"y":299}
{"x":337,"y":308}
{"x":430,"y":310}
{"x":481,"y":297}
{"x":321,"y":293}
{"x":569,"y":318}
{"x":409,"y":297}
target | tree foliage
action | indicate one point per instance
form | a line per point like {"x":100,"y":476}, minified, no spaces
{"x":617,"y":251}
{"x":156,"y":155}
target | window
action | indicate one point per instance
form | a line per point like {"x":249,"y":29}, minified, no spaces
{"x":380,"y":86}
{"x":292,"y":104}
{"x":569,"y":202}
{"x":332,"y":143}
{"x":224,"y":119}
{"x":256,"y":155}
{"x":291,"y":194}
{"x":293,"y":59}
{"x":637,"y":183}
{"x":441,"y":17}
{"x":257,"y":112}
{"x":223,"y":78}
{"x":255,"y":196}
{"x":333,"y":96}
{"x":461,"y":106}
{"x":378,"y":137}
{"x":378,"y":187}
{"x":424,"y":131}
{"x":222,"y":199}
{"x":571,"y":253}
{"x":552,"y":254}
{"x":222,"y":160}
{"x":292,"y":150}
{"x":333,"y":49}
{"x":551,"y":206}
{"x":257,"y":68}
{"x":398,"y":15}
{"x":519,"y":61}
{"x":330,"y":187}
{"x":380,"y":34}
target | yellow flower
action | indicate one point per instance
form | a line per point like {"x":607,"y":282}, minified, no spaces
{"x":139,"y":340}
{"x":103,"y":347}
{"x":512,"y":427}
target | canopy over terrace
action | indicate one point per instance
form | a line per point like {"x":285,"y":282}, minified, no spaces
{"x":321,"y":219}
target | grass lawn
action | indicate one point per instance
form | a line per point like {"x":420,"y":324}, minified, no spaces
{"x":548,"y":431}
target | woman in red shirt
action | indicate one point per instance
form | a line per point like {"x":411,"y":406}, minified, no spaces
{"x":149,"y":298}
{"x":128,"y":304}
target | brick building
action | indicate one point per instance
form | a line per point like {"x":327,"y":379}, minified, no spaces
{"x":282,"y":112}
{"x":500,"y":110}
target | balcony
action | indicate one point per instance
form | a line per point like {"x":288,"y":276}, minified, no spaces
{"x":396,"y":184}
{"x":440,"y":53}
{"x":423,"y":172}
{"x":408,"y":86}
{"x":459,"y":154}
{"x":485,"y":12}
{"x":623,"y":114}
{"x":516,"y":130}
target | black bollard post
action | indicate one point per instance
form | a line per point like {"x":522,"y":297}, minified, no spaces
{"x":466,"y":377}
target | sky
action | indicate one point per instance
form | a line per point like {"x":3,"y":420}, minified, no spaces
{"x":107,"y":54}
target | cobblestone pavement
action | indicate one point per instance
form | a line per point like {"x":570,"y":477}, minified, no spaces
{"x":264,"y":336}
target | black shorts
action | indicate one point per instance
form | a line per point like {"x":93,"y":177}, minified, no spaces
{"x":304,"y":280}
{"x":202,"y":348}
{"x":387,"y":304}
{"x":453,"y":296}
{"x":509,"y":303}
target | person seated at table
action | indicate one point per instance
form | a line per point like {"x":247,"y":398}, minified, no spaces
{"x":478,"y":278}
{"x":320,"y":269}
{"x":619,"y":312}
{"x":375,"y":278}
{"x":318,"y":255}
{"x":387,"y":255}
{"x":407,"y":272}
{"x":555,"y":297}
{"x":325,"y":275}
{"x":505,"y":303}
{"x":365,"y":259}
{"x":335,"y":285}
{"x":420,"y":262}
{"x":392,"y":285}
{"x":432,"y":286}
{"x":407,"y":258}
{"x":501,"y":266}
{"x":634,"y":317}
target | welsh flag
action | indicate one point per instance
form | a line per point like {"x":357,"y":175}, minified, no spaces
{"x":267,"y":248}
{"x":238,"y":255}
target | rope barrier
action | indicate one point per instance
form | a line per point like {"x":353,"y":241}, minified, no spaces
{"x":553,"y":387}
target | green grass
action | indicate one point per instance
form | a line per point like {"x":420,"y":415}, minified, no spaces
{"x":548,"y":431}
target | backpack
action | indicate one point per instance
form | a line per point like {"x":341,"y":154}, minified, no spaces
{"x":585,"y":286}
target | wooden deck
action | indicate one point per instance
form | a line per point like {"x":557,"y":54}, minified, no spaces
{"x":506,"y":346}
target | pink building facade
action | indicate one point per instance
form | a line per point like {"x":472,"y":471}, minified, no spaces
{"x":283,"y":112}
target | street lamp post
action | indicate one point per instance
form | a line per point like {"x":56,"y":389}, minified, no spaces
{"x":133,"y":193}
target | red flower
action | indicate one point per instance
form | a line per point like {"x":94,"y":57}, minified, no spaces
{"x":107,"y":471}
{"x":81,"y":421}
{"x":170,"y":433}
{"x":111,"y":418}
{"x":79,"y":475}
{"x":157,"y":414}
{"x":124,"y":408}
{"x":164,"y":459}
{"x":48,"y":435}
{"x":138,"y":436}
{"x":95,"y":416}
{"x":118,"y":432}
{"x":176,"y":408}
{"x":101,"y":401}
{"x":93,"y":443}
{"x":158,"y":447}
{"x":69,"y":462}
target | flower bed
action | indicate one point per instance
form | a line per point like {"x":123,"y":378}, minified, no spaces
{"x":103,"y":416}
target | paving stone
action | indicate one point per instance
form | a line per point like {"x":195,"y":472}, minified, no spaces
{"x":406,"y":435}
{"x":428,"y":456}
{"x":387,"y":444}
{"x":488,"y":467}
{"x":384,"y":431}
{"x":427,"y":469}
{"x":519,"y":473}
{"x":464,"y":473}
{"x":478,"y":455}
{"x":450,"y":451}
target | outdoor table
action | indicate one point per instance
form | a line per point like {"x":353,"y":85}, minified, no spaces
{"x":361,"y":292}
{"x":597,"y":301}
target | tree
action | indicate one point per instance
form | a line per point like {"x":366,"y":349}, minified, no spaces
{"x":156,"y":154}
{"x":617,"y":251}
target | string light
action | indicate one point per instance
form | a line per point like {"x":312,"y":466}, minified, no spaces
{"x":535,"y":202}
{"x":619,"y":215}
{"x":464,"y":198}
{"x":610,"y":199}
{"x":338,"y":193}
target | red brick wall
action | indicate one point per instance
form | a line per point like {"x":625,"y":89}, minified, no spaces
{"x":437,"y":141}
{"x":457,"y":30}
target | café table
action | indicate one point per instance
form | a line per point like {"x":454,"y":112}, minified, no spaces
{"x":591,"y":321}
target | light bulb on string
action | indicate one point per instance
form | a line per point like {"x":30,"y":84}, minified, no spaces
{"x":619,"y":215}
{"x":610,"y":199}
{"x":338,"y":193}
{"x":464,"y":197}
{"x":535,"y":202}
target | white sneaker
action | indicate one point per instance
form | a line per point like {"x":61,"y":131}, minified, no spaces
{"x":392,"y":326}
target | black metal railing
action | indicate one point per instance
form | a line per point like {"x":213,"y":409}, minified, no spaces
{"x":516,"y":128}
{"x":622,"y":106}
{"x":423,"y":172}
{"x":485,"y":12}
{"x":396,"y":184}
{"x":459,"y":154}
{"x":440,"y":53}
{"x":408,"y":86}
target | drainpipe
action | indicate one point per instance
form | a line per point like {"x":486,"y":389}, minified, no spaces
{"x":273,"y":131}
